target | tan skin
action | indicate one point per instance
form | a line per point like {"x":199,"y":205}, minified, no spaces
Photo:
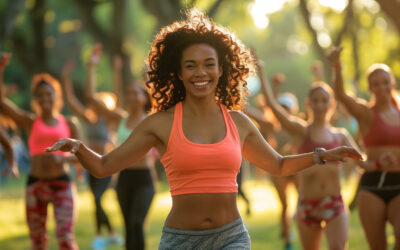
{"x":315,"y":182}
{"x":372,"y":210}
{"x":43,"y":166}
{"x":203,"y":124}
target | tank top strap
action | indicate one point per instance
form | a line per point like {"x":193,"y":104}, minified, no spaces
{"x":231,"y":129}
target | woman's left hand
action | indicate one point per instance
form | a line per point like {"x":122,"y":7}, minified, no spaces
{"x":339,"y":153}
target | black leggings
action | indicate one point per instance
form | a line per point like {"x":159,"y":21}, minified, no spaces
{"x":135,"y":192}
{"x":98,"y":186}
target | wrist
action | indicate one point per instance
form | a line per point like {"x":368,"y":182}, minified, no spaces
{"x":317,"y":156}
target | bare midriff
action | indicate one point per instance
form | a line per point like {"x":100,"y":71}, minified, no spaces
{"x":319,"y":181}
{"x":202,"y":211}
{"x":47,"y":166}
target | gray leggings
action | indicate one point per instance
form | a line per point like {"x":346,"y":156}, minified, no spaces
{"x":231,"y":236}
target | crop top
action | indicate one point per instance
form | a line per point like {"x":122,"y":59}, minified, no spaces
{"x":202,"y":168}
{"x":43,"y":136}
{"x":309,"y":145}
{"x":381,"y":133}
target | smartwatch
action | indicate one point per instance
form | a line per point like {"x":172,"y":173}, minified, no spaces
{"x":317,"y":157}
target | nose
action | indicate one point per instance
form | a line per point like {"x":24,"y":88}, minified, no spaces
{"x":200,"y":71}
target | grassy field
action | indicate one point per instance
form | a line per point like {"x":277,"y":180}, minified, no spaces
{"x":262,"y":224}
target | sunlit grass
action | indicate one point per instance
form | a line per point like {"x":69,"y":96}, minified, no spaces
{"x":263,"y":224}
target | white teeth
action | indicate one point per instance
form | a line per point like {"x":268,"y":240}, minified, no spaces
{"x":200,"y":83}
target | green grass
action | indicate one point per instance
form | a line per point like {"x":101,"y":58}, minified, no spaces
{"x":262,"y":224}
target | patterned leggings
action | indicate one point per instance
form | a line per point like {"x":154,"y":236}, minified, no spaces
{"x":39,"y":193}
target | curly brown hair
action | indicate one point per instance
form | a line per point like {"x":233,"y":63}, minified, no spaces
{"x":165,"y":54}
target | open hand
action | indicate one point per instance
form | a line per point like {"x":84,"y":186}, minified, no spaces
{"x":339,"y":153}
{"x":65,"y":145}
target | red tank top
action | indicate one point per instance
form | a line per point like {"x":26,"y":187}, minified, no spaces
{"x":309,"y":145}
{"x":202,"y":168}
{"x":43,"y":136}
{"x":381,"y":133}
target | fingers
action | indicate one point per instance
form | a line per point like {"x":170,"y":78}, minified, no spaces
{"x":57,"y":145}
{"x":75,"y":148}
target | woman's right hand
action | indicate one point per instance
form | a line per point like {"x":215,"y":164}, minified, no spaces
{"x":65,"y":145}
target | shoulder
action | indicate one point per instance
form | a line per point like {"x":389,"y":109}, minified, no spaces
{"x":72,"y":122}
{"x":159,"y":121}
{"x":340,"y":133}
{"x":242,"y":121}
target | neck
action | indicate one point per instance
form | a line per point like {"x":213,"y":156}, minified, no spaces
{"x":47,"y":116}
{"x":319,"y":122}
{"x":200,"y":107}
{"x":384,"y":104}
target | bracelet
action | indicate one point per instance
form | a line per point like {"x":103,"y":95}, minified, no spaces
{"x":378,"y":165}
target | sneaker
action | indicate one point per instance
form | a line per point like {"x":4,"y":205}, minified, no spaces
{"x":115,"y":239}
{"x":99,"y":243}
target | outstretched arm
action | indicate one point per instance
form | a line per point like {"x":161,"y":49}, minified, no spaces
{"x":21,"y":117}
{"x":355,"y":106}
{"x":261,"y":154}
{"x":141,"y":140}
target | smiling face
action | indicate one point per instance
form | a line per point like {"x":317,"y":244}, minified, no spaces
{"x":320,"y":103}
{"x":45,"y":96}
{"x":380,"y":85}
{"x":199,"y":70}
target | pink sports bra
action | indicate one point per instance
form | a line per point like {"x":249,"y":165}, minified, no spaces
{"x":43,"y":136}
{"x":202,"y":168}
{"x":381,"y":133}
{"x":309,"y":145}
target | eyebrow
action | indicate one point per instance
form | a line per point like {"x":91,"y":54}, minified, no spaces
{"x":193,"y":61}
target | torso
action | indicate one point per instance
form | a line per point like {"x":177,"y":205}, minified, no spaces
{"x":48,"y":165}
{"x":203,"y":210}
{"x":382,"y":134}
{"x":320,"y":181}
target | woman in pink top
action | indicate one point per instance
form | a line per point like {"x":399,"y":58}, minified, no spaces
{"x":48,"y":179}
{"x":320,"y":207}
{"x":379,"y":124}
{"x":197,"y":79}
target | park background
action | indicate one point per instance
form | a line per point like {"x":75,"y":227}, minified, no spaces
{"x":289,"y":36}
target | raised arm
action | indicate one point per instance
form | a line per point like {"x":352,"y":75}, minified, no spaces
{"x":21,"y":117}
{"x":355,"y":106}
{"x":73,"y":102}
{"x":117,"y":66}
{"x":292,"y":124}
{"x":260,"y":153}
{"x":141,"y":140}
{"x":9,"y":153}
{"x":90,"y":89}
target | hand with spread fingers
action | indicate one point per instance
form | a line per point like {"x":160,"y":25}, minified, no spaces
{"x":65,"y":145}
{"x":339,"y":153}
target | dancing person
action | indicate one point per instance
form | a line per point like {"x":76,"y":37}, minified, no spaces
{"x":379,"y":124}
{"x":99,"y":120}
{"x":320,"y":207}
{"x":48,"y":180}
{"x":135,"y":188}
{"x":197,"y":79}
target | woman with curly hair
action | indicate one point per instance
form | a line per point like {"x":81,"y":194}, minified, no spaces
{"x":48,"y":180}
{"x":197,"y":80}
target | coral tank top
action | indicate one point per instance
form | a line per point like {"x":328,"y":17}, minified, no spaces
{"x":202,"y":168}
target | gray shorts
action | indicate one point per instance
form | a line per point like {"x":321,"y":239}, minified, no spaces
{"x":231,"y":236}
